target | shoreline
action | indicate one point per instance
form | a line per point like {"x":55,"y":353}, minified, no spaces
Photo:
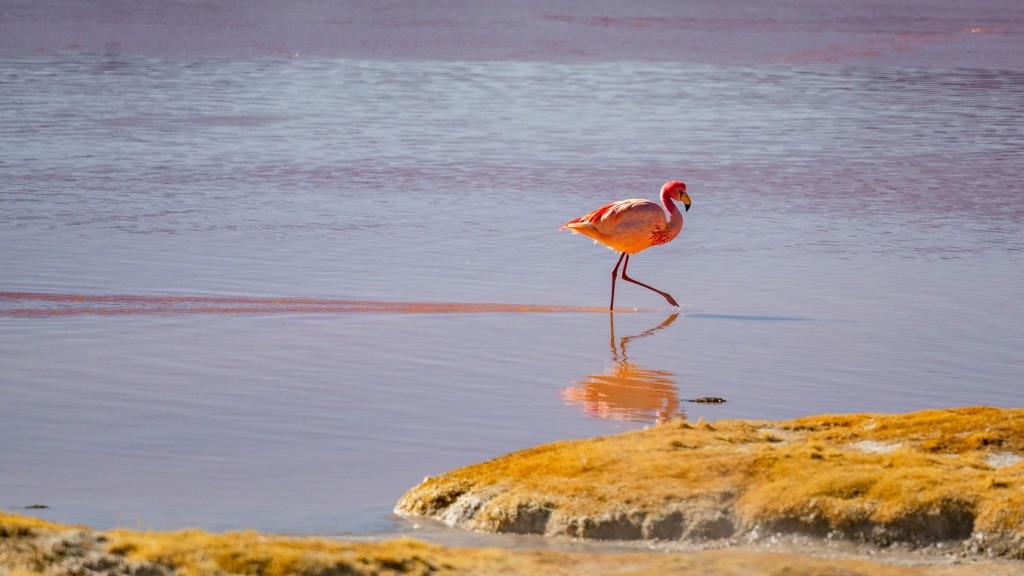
{"x":986,"y":441}
{"x":29,"y":546}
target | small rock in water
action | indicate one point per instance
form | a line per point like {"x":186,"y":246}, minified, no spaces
{"x":707,"y":400}
{"x":36,"y":507}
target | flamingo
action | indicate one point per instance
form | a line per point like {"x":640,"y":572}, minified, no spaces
{"x":630,"y":226}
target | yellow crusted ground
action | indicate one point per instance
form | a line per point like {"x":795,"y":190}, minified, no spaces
{"x":30,"y":546}
{"x":920,"y":478}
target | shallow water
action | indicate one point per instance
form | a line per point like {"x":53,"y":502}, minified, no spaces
{"x":271,"y":293}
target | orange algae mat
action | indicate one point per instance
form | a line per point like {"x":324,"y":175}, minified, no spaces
{"x":32,"y":304}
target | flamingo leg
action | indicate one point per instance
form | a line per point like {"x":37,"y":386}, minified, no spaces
{"x":615,"y":272}
{"x":667,"y":296}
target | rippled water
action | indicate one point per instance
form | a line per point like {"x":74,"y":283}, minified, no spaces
{"x":276,"y":294}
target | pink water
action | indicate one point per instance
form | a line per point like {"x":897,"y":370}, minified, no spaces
{"x":268,"y":265}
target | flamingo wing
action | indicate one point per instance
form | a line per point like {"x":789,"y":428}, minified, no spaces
{"x":625,"y":226}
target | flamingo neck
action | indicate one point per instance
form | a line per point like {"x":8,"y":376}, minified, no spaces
{"x":675,"y":217}
{"x":669,"y":205}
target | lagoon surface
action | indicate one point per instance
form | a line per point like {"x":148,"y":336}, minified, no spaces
{"x":208,"y":259}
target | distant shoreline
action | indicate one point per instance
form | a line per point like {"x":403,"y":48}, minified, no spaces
{"x":757,"y":33}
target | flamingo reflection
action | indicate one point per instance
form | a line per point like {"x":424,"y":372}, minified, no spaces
{"x":627,"y":391}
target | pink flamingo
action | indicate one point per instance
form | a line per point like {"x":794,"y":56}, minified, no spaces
{"x":629,"y":226}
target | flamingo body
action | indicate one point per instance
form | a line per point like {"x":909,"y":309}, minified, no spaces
{"x":628,"y":225}
{"x":633,"y":225}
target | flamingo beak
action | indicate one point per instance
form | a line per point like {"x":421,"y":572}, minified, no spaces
{"x":686,"y":202}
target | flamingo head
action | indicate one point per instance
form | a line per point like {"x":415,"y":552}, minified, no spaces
{"x":676,"y":190}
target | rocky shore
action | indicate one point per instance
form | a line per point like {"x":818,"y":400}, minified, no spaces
{"x":953,"y":478}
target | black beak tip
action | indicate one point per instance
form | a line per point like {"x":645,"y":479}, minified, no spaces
{"x":686,"y":208}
